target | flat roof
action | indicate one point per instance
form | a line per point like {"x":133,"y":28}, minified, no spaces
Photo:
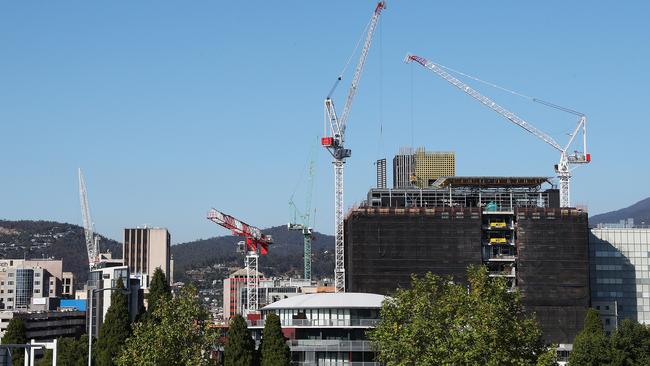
{"x":329,"y":301}
{"x":490,"y":181}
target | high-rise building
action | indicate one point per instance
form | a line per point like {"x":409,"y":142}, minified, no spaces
{"x":146,"y":249}
{"x":403,"y":168}
{"x":512,"y":225}
{"x":620,"y":273}
{"x":381,"y":173}
{"x":431,"y":165}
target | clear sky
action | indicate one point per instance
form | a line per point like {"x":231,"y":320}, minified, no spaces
{"x":174,"y":107}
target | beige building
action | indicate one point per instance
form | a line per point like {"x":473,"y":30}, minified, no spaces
{"x":146,"y":249}
{"x":30,"y":284}
{"x":431,"y":165}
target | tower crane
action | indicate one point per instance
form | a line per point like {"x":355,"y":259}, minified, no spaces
{"x":305,"y":222}
{"x":567,"y":159}
{"x":92,"y":239}
{"x":335,"y":141}
{"x":255,"y":243}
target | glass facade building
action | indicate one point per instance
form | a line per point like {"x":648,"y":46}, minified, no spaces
{"x":24,"y":287}
{"x":620,"y":271}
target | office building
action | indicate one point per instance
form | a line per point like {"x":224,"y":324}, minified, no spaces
{"x":31,"y":284}
{"x":233,"y":287}
{"x":99,"y":296}
{"x":512,"y":225}
{"x":431,"y":165}
{"x":403,"y":168}
{"x":146,"y":249}
{"x":326,"y":328}
{"x":381,"y":173}
{"x":620,"y":273}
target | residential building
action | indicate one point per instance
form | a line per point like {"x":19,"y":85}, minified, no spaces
{"x":431,"y":165}
{"x":146,"y":249}
{"x":620,"y":271}
{"x":326,"y":328}
{"x":512,"y":225}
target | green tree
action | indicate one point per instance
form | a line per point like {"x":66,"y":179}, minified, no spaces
{"x":630,"y":344}
{"x":439,"y":322}
{"x":274,"y":350}
{"x":181,"y":335}
{"x":16,"y":334}
{"x":590,"y":346}
{"x":72,"y":352}
{"x":46,"y":360}
{"x":240,"y":347}
{"x":159,"y":291}
{"x":548,"y":358}
{"x":115,"y":330}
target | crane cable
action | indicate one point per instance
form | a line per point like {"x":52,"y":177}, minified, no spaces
{"x":533,"y":99}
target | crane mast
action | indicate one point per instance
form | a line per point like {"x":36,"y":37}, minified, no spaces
{"x":92,"y":240}
{"x":334,"y":143}
{"x":304,"y":224}
{"x":563,"y":168}
{"x":255,"y":243}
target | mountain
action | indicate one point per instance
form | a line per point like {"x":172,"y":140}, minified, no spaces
{"x":285,"y":255}
{"x":639,"y":211}
{"x":49,"y":239}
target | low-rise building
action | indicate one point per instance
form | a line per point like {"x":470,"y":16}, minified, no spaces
{"x":47,"y":325}
{"x":326,"y":328}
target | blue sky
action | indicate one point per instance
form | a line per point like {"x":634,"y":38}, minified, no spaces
{"x":171,"y":108}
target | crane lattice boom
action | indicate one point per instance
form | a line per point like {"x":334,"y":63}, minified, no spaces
{"x":92,"y":241}
{"x":563,"y":167}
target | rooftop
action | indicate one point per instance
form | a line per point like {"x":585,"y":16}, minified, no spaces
{"x":345,"y":300}
{"x":496,"y":182}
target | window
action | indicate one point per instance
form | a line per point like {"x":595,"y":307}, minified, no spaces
{"x":37,"y":291}
{"x":607,"y":321}
{"x":10,"y":283}
{"x":10,"y":291}
{"x":37,"y":274}
{"x":37,"y":283}
{"x":10,"y":274}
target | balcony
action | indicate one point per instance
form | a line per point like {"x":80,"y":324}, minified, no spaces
{"x":329,"y":345}
{"x":320,"y":323}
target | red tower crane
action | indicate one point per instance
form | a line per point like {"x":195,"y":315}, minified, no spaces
{"x":255,"y":243}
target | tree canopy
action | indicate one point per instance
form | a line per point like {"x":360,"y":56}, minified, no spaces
{"x":179,"y":336}
{"x":159,"y":291}
{"x":630,"y":344}
{"x":591,"y":345}
{"x":439,"y":322}
{"x":274,"y":350}
{"x":115,"y":329}
{"x":240,"y":347}
{"x":16,"y":334}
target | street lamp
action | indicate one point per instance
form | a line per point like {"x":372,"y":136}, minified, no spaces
{"x":90,"y":312}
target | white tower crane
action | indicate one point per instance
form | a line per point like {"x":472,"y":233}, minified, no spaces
{"x":563,"y":168}
{"x":92,"y":239}
{"x":334,"y":143}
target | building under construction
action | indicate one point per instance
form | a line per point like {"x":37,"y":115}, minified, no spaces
{"x":513,"y":225}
